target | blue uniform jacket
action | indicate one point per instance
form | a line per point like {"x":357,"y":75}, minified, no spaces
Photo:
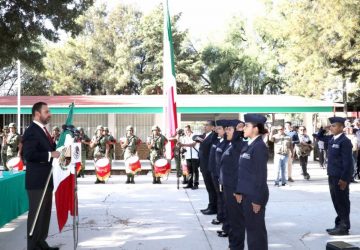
{"x":340,"y":162}
{"x":220,"y":148}
{"x":252,"y":174}
{"x":229,"y":162}
{"x":212,"y":160}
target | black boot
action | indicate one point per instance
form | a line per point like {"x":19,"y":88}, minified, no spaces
{"x":154,"y":180}
{"x":132,"y":179}
{"x":127,"y":180}
{"x":185,"y":181}
{"x":158,"y":181}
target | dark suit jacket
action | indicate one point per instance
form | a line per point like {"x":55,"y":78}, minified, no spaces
{"x":36,"y":148}
{"x":204,"y":151}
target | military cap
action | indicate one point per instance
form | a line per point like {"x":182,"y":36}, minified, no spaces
{"x":255,"y":118}
{"x":337,"y":120}
{"x":106,"y":128}
{"x":80,"y":129}
{"x":12,"y":125}
{"x":129,"y":128}
{"x":233,"y":123}
{"x":210,"y":123}
{"x":99,"y":127}
{"x":56,"y":128}
{"x":221,"y":123}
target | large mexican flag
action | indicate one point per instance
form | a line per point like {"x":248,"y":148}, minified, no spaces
{"x":64,"y":177}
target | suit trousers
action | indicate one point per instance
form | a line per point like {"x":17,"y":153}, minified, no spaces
{"x":42,"y":225}
{"x":210,"y":189}
{"x":255,"y":226}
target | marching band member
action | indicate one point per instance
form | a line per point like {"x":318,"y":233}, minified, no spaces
{"x":111,"y":142}
{"x":99,"y":142}
{"x":4,"y":146}
{"x":55,"y":134}
{"x":156,"y":144}
{"x":130,"y":146}
{"x":13,"y":142}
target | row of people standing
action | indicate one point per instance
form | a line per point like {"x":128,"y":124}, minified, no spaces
{"x":233,"y":161}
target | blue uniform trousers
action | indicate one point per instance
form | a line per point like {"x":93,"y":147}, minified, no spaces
{"x":255,"y":226}
{"x":235,"y":218}
{"x":341,"y":202}
{"x":221,"y":213}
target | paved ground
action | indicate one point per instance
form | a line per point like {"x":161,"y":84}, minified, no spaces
{"x":160,"y":217}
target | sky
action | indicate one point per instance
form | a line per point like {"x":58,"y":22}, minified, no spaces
{"x":206,"y":20}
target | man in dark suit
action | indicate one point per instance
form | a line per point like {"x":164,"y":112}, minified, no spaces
{"x":204,"y":151}
{"x":39,"y":150}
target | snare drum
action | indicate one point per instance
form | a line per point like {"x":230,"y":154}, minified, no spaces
{"x":102,"y":169}
{"x":15,"y":163}
{"x":132,"y":165}
{"x":161,"y":167}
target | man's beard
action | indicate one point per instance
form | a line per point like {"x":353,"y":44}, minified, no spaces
{"x":44,"y":120}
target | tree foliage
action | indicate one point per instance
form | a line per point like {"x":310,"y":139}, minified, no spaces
{"x":317,"y":42}
{"x":24,"y":23}
{"x":120,"y":52}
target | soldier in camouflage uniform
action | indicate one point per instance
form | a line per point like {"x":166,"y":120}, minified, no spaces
{"x":111,"y":141}
{"x":99,"y":142}
{"x":85,"y":142}
{"x":4,"y":146}
{"x":130,"y":149}
{"x":156,"y":144}
{"x":13,"y":142}
{"x":55,"y":134}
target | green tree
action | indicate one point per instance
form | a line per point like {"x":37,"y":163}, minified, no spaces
{"x":24,"y":23}
{"x":317,"y":42}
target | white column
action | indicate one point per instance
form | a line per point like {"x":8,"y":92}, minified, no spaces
{"x":18,"y":97}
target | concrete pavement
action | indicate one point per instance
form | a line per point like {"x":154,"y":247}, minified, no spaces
{"x":147,"y":216}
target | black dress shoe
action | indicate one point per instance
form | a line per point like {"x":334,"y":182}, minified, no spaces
{"x":203,"y":210}
{"x":188,"y":187}
{"x":339,"y":231}
{"x":195,"y":187}
{"x":209,"y":212}
{"x":219,"y":231}
{"x":223,"y":234}
{"x":330,"y":229}
{"x":215,"y":222}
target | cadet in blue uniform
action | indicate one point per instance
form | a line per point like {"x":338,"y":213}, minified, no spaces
{"x":339,"y":170}
{"x":252,"y":191}
{"x":228,"y":180}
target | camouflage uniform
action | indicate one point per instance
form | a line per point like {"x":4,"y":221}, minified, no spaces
{"x":13,"y":140}
{"x":157,"y":152}
{"x":4,"y":146}
{"x":100,"y":148}
{"x":130,"y":150}
{"x":84,"y":150}
{"x":110,"y":138}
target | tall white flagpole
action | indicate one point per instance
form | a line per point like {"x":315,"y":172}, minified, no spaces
{"x":18,"y":96}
